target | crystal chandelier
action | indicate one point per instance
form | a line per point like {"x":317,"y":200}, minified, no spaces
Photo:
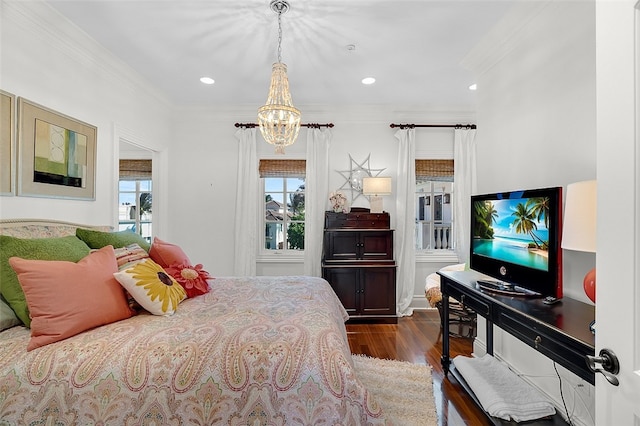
{"x":279,"y":120}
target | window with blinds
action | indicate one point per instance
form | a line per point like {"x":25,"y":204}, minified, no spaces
{"x":434,"y":205}
{"x":283,"y":196}
{"x":135,"y":197}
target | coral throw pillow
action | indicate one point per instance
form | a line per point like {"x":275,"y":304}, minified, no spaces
{"x":192,"y":278}
{"x":165,"y":254}
{"x":66,"y":298}
{"x":151,"y":286}
{"x":61,"y":248}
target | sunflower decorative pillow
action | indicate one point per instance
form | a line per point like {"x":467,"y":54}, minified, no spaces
{"x":151,"y":286}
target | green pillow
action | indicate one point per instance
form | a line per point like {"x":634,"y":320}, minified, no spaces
{"x":8,"y":318}
{"x":99,"y":239}
{"x":62,"y":248}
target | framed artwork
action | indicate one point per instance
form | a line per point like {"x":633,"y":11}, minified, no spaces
{"x":56,"y":154}
{"x":7,"y":142}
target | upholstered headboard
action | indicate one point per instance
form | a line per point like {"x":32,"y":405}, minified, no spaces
{"x":43,"y":228}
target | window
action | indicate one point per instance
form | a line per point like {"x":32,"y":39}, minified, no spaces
{"x":434,"y":205}
{"x":284,"y":204}
{"x":135,"y":197}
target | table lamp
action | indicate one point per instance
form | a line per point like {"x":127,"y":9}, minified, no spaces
{"x":374,"y":187}
{"x":579,"y":226}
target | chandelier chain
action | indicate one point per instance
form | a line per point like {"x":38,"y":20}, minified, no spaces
{"x":279,"y":35}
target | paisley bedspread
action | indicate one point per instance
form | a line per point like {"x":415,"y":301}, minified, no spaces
{"x":253,"y":351}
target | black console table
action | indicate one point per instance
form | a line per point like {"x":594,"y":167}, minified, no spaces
{"x":559,"y":331}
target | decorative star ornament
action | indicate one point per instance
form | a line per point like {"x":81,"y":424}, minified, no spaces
{"x":353,"y":177}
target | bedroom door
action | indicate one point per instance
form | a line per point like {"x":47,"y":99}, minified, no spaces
{"x":618,"y":235}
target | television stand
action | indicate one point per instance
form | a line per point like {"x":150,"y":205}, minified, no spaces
{"x":559,"y":331}
{"x":505,"y":288}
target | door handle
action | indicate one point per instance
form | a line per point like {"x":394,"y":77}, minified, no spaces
{"x":609,"y":362}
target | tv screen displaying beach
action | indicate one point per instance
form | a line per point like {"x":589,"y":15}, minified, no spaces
{"x":513,"y":230}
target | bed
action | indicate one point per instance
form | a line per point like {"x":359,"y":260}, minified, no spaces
{"x":251,"y":351}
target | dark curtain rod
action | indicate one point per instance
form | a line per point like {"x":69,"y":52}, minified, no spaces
{"x":314,"y":125}
{"x":456,"y":126}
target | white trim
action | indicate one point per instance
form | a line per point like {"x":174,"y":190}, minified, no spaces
{"x":437,"y":256}
{"x":279,"y":257}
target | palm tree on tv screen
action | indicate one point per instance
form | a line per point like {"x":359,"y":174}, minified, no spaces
{"x":525,"y":223}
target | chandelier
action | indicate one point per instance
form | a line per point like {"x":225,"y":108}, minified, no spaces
{"x":279,"y":120}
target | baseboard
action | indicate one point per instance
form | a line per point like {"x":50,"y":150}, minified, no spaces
{"x":419,"y":302}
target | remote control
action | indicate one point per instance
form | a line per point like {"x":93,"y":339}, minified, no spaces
{"x":550,"y":300}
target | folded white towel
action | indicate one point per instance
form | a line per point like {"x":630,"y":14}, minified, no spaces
{"x":500,"y":391}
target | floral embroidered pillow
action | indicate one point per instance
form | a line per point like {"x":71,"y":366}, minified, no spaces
{"x":192,"y":278}
{"x":150,"y":285}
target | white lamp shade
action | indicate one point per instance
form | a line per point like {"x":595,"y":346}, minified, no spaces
{"x":376,"y":186}
{"x":579,"y":226}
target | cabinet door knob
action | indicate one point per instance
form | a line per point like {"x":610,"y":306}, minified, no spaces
{"x":537,"y":341}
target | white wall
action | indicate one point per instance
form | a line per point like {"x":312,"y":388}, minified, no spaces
{"x":536,"y":128}
{"x":53,"y":63}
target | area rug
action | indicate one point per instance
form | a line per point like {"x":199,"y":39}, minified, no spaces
{"x":404,"y":390}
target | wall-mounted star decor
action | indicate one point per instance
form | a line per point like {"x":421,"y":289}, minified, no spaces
{"x":354,"y":176}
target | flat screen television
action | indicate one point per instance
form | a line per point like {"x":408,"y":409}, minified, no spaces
{"x":515,"y":239}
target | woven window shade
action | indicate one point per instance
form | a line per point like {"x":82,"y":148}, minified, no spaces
{"x":438,"y":170}
{"x":279,"y":168}
{"x":135,"y":169}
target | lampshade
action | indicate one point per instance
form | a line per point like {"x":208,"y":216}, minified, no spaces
{"x":376,"y":186}
{"x":579,"y":227}
{"x":278,"y":119}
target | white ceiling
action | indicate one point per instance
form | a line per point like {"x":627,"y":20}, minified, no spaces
{"x":413,"y":48}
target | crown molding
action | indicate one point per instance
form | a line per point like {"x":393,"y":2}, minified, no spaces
{"x":45,"y":23}
{"x":504,"y":37}
{"x":352,"y":114}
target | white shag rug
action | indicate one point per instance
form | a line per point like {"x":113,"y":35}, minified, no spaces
{"x":404,"y":390}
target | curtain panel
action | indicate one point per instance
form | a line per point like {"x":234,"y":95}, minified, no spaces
{"x":405,"y":228}
{"x":246,"y":225}
{"x":464,"y":151}
{"x":316,"y":197}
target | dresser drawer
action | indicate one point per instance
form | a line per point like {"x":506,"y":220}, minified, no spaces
{"x":470,"y":301}
{"x":357,"y":220}
{"x":561,"y":348}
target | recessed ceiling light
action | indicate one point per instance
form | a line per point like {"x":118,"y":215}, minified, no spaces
{"x":207,"y":80}
{"x":474,"y":86}
{"x":368,"y":80}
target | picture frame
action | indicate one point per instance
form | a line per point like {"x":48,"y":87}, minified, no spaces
{"x":7,"y":142}
{"x":56,"y":154}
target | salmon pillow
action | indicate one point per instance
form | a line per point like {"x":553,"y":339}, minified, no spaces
{"x":67,"y":298}
{"x":165,"y":254}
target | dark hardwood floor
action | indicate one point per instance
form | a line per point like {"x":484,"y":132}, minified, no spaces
{"x":418,"y":339}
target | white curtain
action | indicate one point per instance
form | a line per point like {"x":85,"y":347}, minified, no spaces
{"x":405,"y":223}
{"x":246,"y":211}
{"x":316,"y":197}
{"x":464,"y":171}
